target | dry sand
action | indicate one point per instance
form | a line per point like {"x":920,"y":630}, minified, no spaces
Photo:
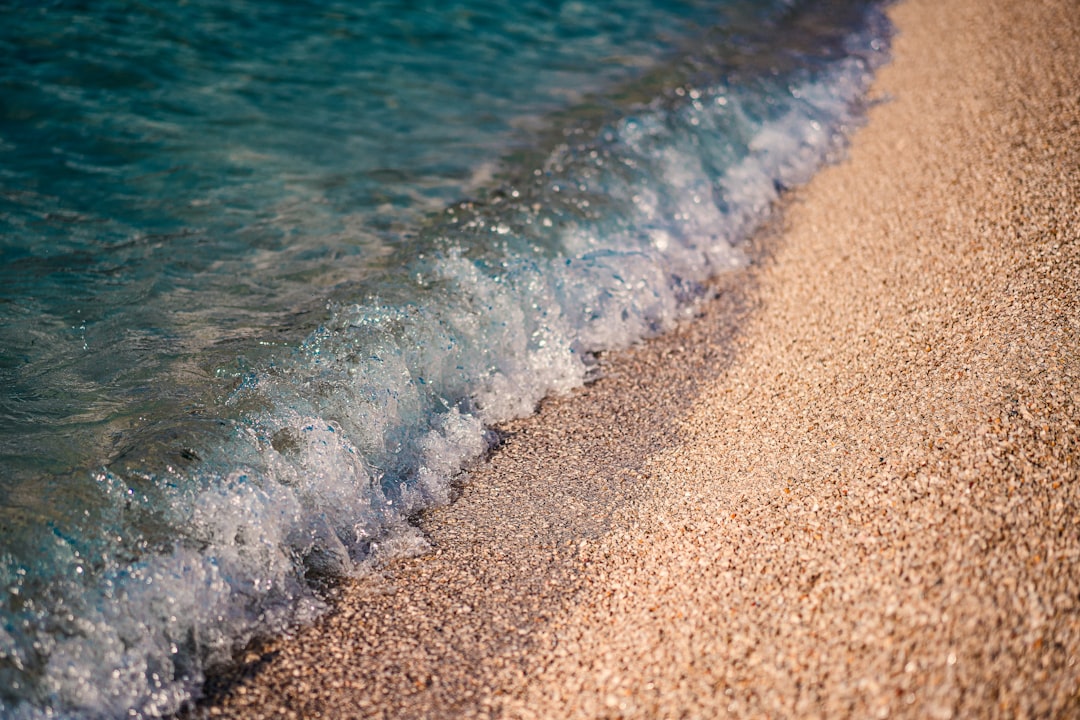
{"x":852,"y":488}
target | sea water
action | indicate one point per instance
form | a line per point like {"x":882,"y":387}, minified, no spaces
{"x":270,"y":271}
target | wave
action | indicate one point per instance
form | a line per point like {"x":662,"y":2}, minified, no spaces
{"x":218,"y":528}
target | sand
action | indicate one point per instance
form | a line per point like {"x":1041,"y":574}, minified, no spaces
{"x":851,"y":488}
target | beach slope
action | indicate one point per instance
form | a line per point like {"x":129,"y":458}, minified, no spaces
{"x":850,"y":489}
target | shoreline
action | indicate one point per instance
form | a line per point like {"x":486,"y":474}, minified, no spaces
{"x":847,"y":489}
{"x":507,"y":553}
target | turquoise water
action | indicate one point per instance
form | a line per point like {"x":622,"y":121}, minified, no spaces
{"x":269,"y":272}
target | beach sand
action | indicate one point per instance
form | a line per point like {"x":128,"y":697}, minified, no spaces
{"x":850,"y":488}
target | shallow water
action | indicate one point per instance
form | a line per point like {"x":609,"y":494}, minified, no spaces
{"x":269,"y":271}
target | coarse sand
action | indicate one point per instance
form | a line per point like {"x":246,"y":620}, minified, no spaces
{"x":851,"y":488}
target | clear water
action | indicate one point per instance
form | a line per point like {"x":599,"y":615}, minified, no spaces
{"x":269,"y":270}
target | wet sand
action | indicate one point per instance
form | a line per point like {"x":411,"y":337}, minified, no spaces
{"x":850,"y":488}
